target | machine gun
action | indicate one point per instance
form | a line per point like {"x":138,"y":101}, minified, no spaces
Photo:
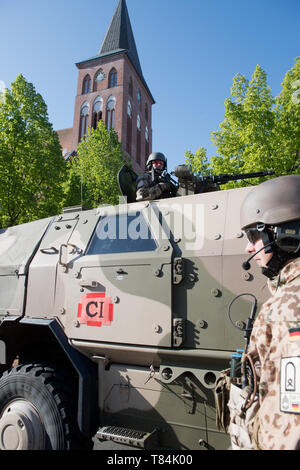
{"x":188,"y":183}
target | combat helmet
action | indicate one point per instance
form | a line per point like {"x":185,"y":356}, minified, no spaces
{"x":273,"y":209}
{"x":156,"y":156}
{"x":273,"y":202}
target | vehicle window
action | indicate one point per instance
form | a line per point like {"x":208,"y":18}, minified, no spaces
{"x":121,"y":233}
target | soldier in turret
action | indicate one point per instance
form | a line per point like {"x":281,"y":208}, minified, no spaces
{"x":155,"y":183}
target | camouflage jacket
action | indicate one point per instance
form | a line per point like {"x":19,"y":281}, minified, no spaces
{"x":275,"y":350}
{"x":147,"y":188}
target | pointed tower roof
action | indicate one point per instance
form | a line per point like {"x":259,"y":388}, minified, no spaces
{"x":119,"y":36}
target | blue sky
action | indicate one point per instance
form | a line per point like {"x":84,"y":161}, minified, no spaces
{"x":189,"y":51}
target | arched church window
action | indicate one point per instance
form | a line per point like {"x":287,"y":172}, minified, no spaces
{"x":84,"y":116}
{"x":129,"y":127}
{"x":129,"y":109}
{"x":86,"y":85}
{"x":130,"y":87}
{"x":138,"y":139}
{"x":99,"y":77}
{"x":146,"y":143}
{"x":110,"y":113}
{"x":97,"y":111}
{"x":112,"y":78}
{"x":146,"y":112}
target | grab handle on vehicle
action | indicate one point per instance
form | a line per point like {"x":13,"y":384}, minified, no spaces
{"x":50,"y":250}
{"x":61,"y":253}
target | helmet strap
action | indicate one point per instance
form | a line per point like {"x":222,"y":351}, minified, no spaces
{"x":279,"y":258}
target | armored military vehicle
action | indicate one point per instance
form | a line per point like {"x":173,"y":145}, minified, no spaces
{"x":113,"y":321}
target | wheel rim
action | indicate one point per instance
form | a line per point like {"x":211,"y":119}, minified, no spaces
{"x":21,"y":427}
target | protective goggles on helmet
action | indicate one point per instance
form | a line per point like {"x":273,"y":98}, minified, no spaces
{"x":254,"y":233}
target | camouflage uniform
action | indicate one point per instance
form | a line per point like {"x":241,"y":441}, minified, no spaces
{"x":146,"y":189}
{"x":276,"y":335}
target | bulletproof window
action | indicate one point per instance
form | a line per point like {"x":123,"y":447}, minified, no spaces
{"x":121,"y":233}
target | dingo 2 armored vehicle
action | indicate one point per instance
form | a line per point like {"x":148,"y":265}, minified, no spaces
{"x":113,"y":321}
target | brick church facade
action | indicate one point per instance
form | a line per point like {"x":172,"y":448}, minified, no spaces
{"x":111,"y":87}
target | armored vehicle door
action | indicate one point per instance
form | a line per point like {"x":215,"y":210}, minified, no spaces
{"x":119,"y":289}
{"x":17,"y":247}
{"x":42,"y":272}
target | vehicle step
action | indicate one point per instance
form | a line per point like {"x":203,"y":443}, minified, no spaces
{"x":128,"y":436}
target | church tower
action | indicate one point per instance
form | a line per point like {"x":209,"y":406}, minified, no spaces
{"x":111,"y":87}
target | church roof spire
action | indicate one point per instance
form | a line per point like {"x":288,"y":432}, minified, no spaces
{"x":119,"y":37}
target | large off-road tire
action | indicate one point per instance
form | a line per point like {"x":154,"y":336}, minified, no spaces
{"x":37,"y":410}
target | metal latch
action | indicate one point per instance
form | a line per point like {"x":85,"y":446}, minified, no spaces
{"x":178,"y":270}
{"x":90,"y":284}
{"x":178,"y":331}
{"x":63,"y":254}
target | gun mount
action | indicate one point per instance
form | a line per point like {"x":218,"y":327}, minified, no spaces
{"x":188,"y":183}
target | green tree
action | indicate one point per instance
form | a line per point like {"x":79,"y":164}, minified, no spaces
{"x":31,"y":164}
{"x":287,"y":136}
{"x":92,"y":174}
{"x":198,"y":162}
{"x":259,"y":132}
{"x":245,"y":139}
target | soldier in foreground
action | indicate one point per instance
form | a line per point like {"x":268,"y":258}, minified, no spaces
{"x":155,"y":183}
{"x":266,"y":415}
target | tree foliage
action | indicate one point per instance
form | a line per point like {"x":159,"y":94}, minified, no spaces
{"x":92,"y":173}
{"x":287,"y":138}
{"x":259,"y":132}
{"x":198,"y":161}
{"x":31,"y":164}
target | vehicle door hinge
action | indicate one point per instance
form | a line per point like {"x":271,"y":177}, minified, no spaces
{"x":178,"y":331}
{"x":178,"y":270}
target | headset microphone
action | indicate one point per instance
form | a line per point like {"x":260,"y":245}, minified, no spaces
{"x":246,"y":264}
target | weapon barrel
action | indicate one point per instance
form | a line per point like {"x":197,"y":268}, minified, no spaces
{"x":222,"y":179}
{"x":201,"y":184}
